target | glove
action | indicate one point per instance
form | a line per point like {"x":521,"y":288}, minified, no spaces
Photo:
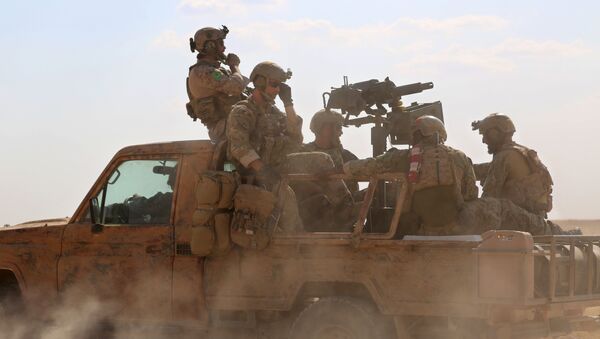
{"x":285,"y":94}
{"x":268,"y":176}
{"x":232,"y":60}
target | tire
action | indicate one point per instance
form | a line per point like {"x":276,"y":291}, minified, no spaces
{"x":337,"y":318}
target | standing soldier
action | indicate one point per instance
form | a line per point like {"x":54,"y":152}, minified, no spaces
{"x":441,"y":178}
{"x":212,"y":89}
{"x":260,"y":136}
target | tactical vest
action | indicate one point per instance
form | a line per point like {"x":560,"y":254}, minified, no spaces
{"x":269,"y":135}
{"x":533,"y":192}
{"x":436,"y":196}
{"x":210,"y":105}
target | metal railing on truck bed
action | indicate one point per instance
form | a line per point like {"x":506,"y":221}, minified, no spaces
{"x":567,"y":267}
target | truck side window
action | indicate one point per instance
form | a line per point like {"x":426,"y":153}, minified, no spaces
{"x":138,"y":192}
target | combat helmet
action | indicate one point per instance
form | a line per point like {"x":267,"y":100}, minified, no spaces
{"x":429,"y":125}
{"x":271,"y":70}
{"x":207,"y":34}
{"x":325,"y":116}
{"x":495,"y":120}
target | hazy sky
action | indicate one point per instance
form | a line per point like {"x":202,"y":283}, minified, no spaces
{"x":81,"y":79}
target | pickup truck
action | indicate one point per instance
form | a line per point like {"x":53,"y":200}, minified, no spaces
{"x":136,"y":256}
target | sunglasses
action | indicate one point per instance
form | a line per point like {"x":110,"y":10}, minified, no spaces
{"x":274,"y":84}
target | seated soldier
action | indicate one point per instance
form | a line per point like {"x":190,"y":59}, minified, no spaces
{"x":440,"y":179}
{"x":516,"y":184}
{"x":332,"y":208}
{"x":326,"y":125}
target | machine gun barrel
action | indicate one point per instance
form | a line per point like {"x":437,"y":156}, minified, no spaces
{"x":409,"y":89}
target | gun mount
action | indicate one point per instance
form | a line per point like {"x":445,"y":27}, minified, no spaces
{"x":371,"y":97}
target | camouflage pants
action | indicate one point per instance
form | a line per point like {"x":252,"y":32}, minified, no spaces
{"x":481,"y":215}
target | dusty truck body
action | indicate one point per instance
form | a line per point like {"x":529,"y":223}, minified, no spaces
{"x":302,"y":285}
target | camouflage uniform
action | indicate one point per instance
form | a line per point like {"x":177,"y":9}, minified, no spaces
{"x":213,"y":90}
{"x":398,"y":161}
{"x":339,"y":155}
{"x":517,"y":174}
{"x":256,"y":133}
{"x":517,"y":187}
{"x":445,"y":180}
{"x":481,"y":215}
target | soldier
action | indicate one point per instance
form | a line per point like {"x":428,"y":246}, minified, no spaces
{"x":441,"y":178}
{"x":327,"y":128}
{"x":326,"y":205}
{"x":516,"y":172}
{"x":326,"y":125}
{"x":517,"y":187}
{"x":212,"y":89}
{"x":260,"y":136}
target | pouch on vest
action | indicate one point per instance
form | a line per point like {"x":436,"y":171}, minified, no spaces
{"x":222,"y":243}
{"x":216,"y":189}
{"x":538,"y":185}
{"x":203,"y":238}
{"x":210,"y":233}
{"x":211,"y":220}
{"x":251,"y":226}
{"x":203,"y":234}
{"x":205,"y":110}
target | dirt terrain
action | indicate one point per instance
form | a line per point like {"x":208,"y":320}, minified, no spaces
{"x":588,"y":227}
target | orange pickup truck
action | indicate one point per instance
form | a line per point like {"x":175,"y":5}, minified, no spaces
{"x":128,"y":246}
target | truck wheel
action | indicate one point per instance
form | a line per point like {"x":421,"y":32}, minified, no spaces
{"x":337,"y":318}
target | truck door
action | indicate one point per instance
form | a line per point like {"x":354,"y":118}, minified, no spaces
{"x":121,"y":253}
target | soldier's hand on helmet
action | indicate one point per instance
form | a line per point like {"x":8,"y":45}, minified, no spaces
{"x":232,"y":60}
{"x":285,"y":94}
{"x":268,"y":175}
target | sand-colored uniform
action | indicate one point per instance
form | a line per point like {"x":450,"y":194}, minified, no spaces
{"x":517,"y":174}
{"x":212,"y":90}
{"x":445,"y":181}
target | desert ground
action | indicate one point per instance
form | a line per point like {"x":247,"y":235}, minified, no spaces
{"x":588,"y":227}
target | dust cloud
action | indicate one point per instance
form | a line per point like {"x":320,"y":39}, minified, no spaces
{"x":77,"y":315}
